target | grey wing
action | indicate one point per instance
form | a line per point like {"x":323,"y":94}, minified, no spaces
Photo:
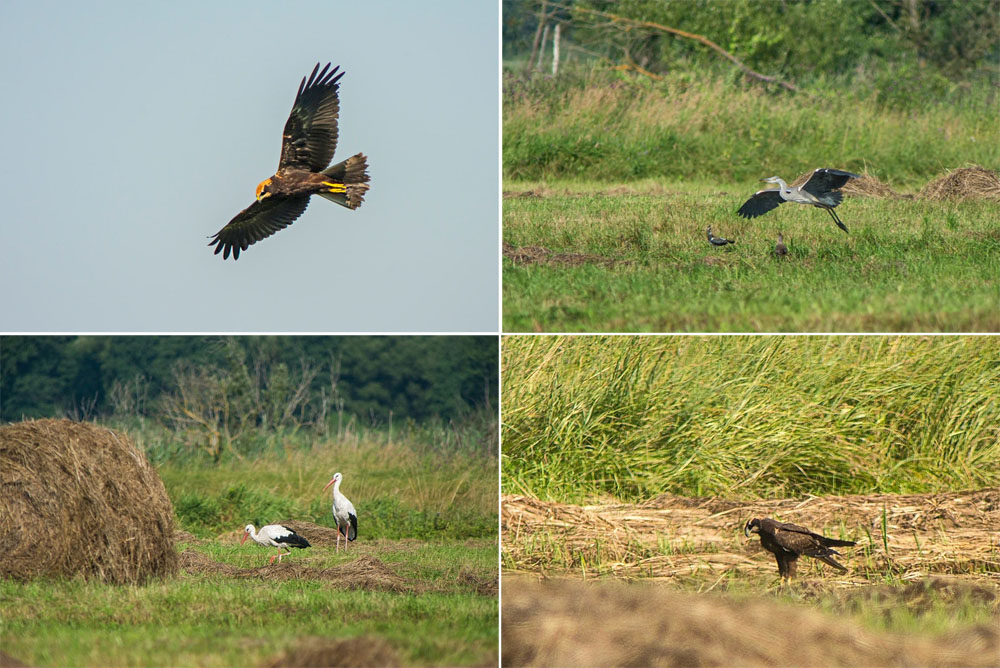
{"x":824,"y":180}
{"x":762,"y":202}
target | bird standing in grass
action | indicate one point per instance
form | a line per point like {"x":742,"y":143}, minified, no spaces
{"x":343,"y":512}
{"x":780,"y":249}
{"x":717,"y":241}
{"x":275,"y":535}
{"x":787,"y":542}
{"x":822,"y":190}
{"x":307,"y":146}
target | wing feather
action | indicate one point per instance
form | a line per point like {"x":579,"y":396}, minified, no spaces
{"x":310,"y":135}
{"x":258,"y":221}
{"x":761,"y":202}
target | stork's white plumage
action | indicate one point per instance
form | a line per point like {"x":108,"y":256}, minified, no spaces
{"x":343,"y":512}
{"x":275,"y":535}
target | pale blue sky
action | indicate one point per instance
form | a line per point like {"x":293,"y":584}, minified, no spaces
{"x":131,"y":133}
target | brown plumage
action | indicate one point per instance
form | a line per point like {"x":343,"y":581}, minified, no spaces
{"x":787,"y":542}
{"x":307,"y":146}
{"x":780,"y":249}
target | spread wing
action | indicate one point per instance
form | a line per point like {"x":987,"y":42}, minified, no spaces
{"x":258,"y":221}
{"x":310,"y":135}
{"x":761,"y":202}
{"x":824,"y":180}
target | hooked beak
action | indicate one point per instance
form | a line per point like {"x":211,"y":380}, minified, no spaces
{"x":746,"y":530}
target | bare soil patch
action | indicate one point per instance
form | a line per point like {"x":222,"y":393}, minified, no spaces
{"x":951,"y":533}
{"x":542,"y":255}
{"x":572,"y":623}
{"x":363,"y":652}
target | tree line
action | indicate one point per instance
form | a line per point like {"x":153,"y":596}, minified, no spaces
{"x":252,"y":380}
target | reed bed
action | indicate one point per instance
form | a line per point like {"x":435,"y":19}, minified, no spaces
{"x":748,"y":417}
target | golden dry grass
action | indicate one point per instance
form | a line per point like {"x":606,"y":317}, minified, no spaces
{"x":79,"y":499}
{"x":671,"y":536}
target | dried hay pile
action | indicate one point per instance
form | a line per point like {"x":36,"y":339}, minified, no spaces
{"x":75,"y":499}
{"x":572,"y":623}
{"x":966,"y":183}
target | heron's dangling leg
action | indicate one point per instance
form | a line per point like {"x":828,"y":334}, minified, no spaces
{"x":836,"y":219}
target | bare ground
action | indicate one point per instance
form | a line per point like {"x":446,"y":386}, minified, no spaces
{"x":953,"y":533}
{"x":573,"y":623}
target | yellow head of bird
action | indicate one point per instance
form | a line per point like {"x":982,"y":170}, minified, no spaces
{"x":262,"y":189}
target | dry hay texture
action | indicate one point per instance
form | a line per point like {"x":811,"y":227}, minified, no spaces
{"x":949,"y":533}
{"x":573,"y":623}
{"x":966,"y":183}
{"x":79,"y":499}
{"x":365,"y":573}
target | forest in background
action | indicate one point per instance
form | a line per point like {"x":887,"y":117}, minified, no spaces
{"x":248,"y":394}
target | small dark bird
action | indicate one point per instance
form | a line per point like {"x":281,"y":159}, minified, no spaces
{"x":789,"y":541}
{"x":717,"y":241}
{"x":307,"y":146}
{"x":821,"y":190}
{"x":780,"y":249}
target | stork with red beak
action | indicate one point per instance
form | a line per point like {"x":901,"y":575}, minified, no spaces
{"x":275,"y":535}
{"x":343,"y":512}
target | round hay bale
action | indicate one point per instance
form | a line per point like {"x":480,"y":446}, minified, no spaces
{"x":966,"y":183}
{"x":79,"y":499}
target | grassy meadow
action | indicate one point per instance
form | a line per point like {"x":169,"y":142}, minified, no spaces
{"x":418,"y":586}
{"x":617,"y":178}
{"x":748,"y":417}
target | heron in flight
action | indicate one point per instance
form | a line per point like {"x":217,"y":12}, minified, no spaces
{"x":822,"y":190}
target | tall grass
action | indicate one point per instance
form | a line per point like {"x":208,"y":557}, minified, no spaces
{"x":748,"y":416}
{"x":613,"y":127}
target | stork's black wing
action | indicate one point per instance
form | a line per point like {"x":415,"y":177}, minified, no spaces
{"x":292,"y":539}
{"x":258,"y":221}
{"x":824,"y":180}
{"x":310,"y":135}
{"x":762,"y":202}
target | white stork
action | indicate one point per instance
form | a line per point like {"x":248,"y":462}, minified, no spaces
{"x":275,"y":535}
{"x":343,"y":512}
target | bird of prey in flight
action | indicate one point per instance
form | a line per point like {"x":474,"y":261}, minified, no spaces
{"x":789,"y":541}
{"x":307,"y":146}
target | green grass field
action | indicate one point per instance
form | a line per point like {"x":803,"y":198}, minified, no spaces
{"x":748,"y":416}
{"x":616,"y":177}
{"x":646,"y":266}
{"x":420,"y":583}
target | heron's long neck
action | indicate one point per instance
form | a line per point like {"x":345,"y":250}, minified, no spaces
{"x":783,"y":185}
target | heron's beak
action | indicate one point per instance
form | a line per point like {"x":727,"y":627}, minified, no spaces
{"x":244,"y":539}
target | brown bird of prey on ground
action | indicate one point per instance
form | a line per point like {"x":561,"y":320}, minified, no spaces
{"x":789,"y":541}
{"x":307,"y":146}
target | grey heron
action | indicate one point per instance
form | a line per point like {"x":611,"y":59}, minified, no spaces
{"x":822,"y":190}
{"x":780,"y":249}
{"x":717,"y":241}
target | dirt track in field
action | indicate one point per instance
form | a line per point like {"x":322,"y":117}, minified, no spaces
{"x":954,"y":533}
{"x":574,"y":623}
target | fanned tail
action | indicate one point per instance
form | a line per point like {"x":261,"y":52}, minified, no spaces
{"x":353,"y":173}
